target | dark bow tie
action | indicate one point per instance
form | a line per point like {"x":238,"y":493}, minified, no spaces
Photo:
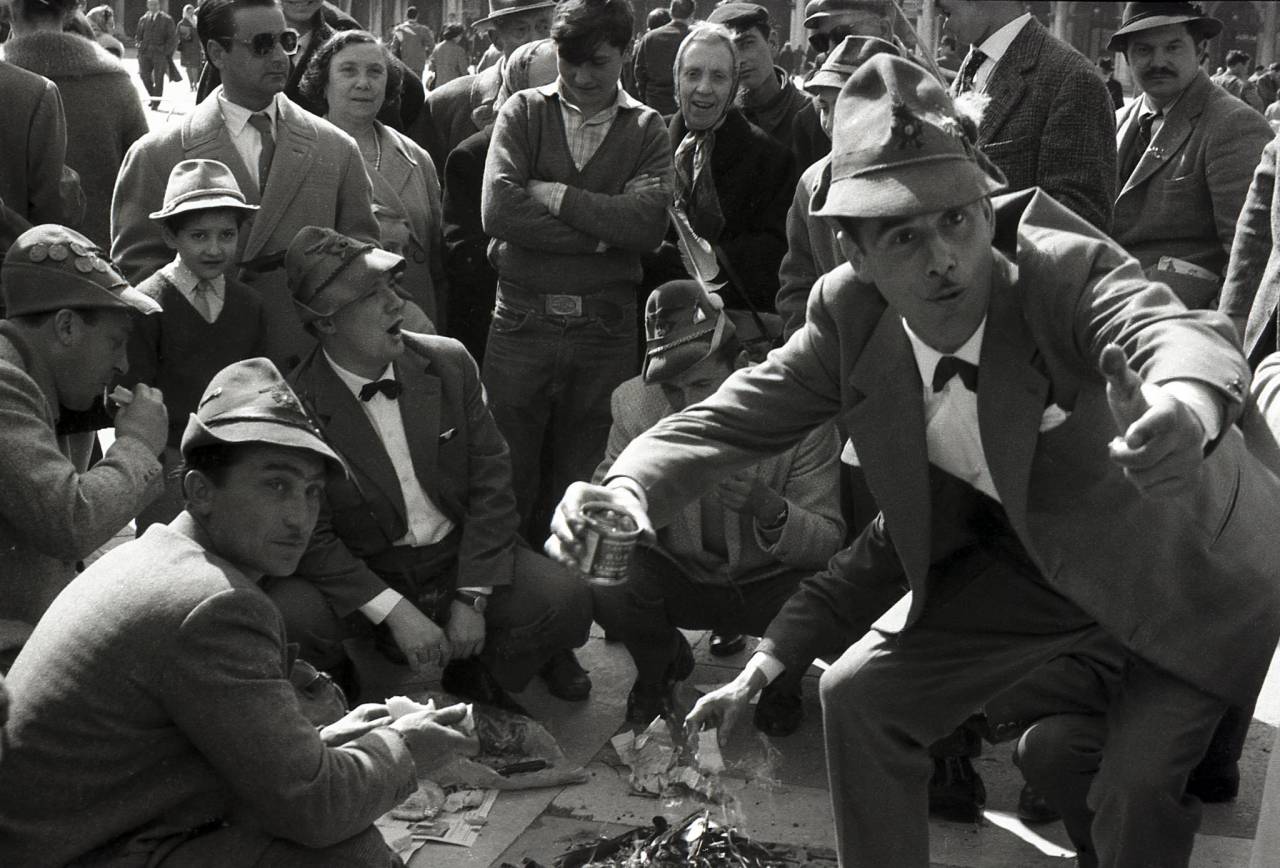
{"x":952,"y":366}
{"x":388,"y":387}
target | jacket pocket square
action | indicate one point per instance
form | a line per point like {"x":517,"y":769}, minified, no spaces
{"x":1052,"y":418}
{"x":446,"y":436}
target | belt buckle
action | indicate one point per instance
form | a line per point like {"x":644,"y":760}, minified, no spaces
{"x":563,"y":305}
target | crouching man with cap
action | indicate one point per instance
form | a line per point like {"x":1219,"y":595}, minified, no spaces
{"x":153,"y":720}
{"x":1026,"y":497}
{"x":729,"y":560}
{"x":68,"y":318}
{"x":421,"y":540}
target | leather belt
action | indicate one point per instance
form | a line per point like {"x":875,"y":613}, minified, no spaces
{"x":560,"y":305}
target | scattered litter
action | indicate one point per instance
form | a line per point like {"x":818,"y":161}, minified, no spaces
{"x":697,"y":841}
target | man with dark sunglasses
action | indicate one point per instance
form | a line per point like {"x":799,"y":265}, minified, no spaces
{"x":299,"y":169}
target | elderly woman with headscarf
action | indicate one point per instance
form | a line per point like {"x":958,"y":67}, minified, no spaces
{"x":733,"y":182}
{"x":347,"y":80}
{"x":473,"y":283}
{"x":190,"y":51}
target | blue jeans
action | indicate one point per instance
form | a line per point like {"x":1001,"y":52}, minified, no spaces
{"x":549,"y":380}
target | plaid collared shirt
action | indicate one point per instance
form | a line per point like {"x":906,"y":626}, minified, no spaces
{"x":585,"y":134}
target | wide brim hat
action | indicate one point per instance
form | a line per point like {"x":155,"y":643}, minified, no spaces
{"x":898,"y":147}
{"x":250,"y":402}
{"x":318,"y":256}
{"x":502,"y":8}
{"x":1150,"y":15}
{"x":824,"y":9}
{"x":200,"y":185}
{"x":684,"y":325}
{"x":844,"y":61}
{"x":50,"y":267}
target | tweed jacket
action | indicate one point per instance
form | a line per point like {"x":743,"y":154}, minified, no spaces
{"x":458,"y":454}
{"x":806,"y":475}
{"x":812,"y":250}
{"x":456,"y":110}
{"x":1186,"y":583}
{"x":1049,"y":124}
{"x":54,"y":509}
{"x":654,"y":63}
{"x":34,"y":142}
{"x":1251,"y":292}
{"x":317,"y":179}
{"x":1186,"y":192}
{"x":155,"y":699}
{"x":104,"y":114}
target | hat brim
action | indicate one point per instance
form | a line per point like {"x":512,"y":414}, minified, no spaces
{"x":272,"y":433}
{"x":825,"y":78}
{"x":1211,"y":26}
{"x":206,"y":203}
{"x":374,"y":260}
{"x":905,"y":190}
{"x":489,"y":20}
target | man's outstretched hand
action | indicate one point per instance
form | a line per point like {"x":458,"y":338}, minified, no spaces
{"x":1160,"y":447}
{"x":565,"y":543}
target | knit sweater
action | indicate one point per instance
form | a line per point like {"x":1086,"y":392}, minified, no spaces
{"x":103,"y":110}
{"x":178,"y":351}
{"x":537,"y":252}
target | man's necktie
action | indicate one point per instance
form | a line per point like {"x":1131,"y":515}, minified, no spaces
{"x":1141,"y":140}
{"x":262,"y":124}
{"x":388,"y":387}
{"x":952,"y":366}
{"x":969,"y":69}
{"x":202,"y":299}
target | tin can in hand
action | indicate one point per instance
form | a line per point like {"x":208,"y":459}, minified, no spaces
{"x":609,"y":537}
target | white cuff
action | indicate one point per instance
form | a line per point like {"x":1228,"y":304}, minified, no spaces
{"x":766,"y":664}
{"x":626,"y":483}
{"x":377,"y":609}
{"x":557,"y":198}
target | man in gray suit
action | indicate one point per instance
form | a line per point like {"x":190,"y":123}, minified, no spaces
{"x":299,"y":169}
{"x":1049,"y":123}
{"x":1187,"y":151}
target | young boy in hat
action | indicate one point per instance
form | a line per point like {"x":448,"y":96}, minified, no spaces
{"x":728,"y":561}
{"x":209,"y":320}
{"x":153,"y":718}
{"x":980,"y":353}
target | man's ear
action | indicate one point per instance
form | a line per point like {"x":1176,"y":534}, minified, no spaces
{"x":216,"y":53}
{"x":198,"y":492}
{"x":67,"y":327}
{"x":850,"y":249}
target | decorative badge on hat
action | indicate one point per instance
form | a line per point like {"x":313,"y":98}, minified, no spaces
{"x":905,"y":127}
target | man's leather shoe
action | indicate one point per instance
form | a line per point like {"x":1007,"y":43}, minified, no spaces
{"x":647,"y":701}
{"x":956,"y":791}
{"x":471,"y":680}
{"x":727,"y":644}
{"x":565,"y":677}
{"x":779,"y":712}
{"x":1214,"y":783}
{"x":1034,"y":809}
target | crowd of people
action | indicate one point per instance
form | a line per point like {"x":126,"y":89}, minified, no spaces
{"x":956,"y":335}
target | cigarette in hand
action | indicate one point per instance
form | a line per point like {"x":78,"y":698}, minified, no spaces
{"x":117,"y":397}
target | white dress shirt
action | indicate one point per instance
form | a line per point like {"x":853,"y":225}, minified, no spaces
{"x":185,"y":280}
{"x":247,"y":140}
{"x":427,"y":524}
{"x":994,"y":47}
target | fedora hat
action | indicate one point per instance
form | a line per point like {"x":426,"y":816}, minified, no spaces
{"x":898,"y":147}
{"x":683,"y":325}
{"x":816,"y":12}
{"x":317,"y":256}
{"x":197,"y":185}
{"x":51,"y":267}
{"x":1149,"y":15}
{"x":841,"y":63}
{"x":502,"y":8}
{"x":250,"y":402}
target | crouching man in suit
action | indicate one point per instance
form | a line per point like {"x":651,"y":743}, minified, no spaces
{"x":962,"y":346}
{"x":153,"y":719}
{"x":421,"y":540}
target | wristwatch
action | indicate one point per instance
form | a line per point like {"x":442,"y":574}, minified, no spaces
{"x":479,"y":602}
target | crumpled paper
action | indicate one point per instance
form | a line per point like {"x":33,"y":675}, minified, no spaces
{"x":658,"y":764}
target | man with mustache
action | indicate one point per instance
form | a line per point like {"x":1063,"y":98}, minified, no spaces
{"x":1186,"y":152}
